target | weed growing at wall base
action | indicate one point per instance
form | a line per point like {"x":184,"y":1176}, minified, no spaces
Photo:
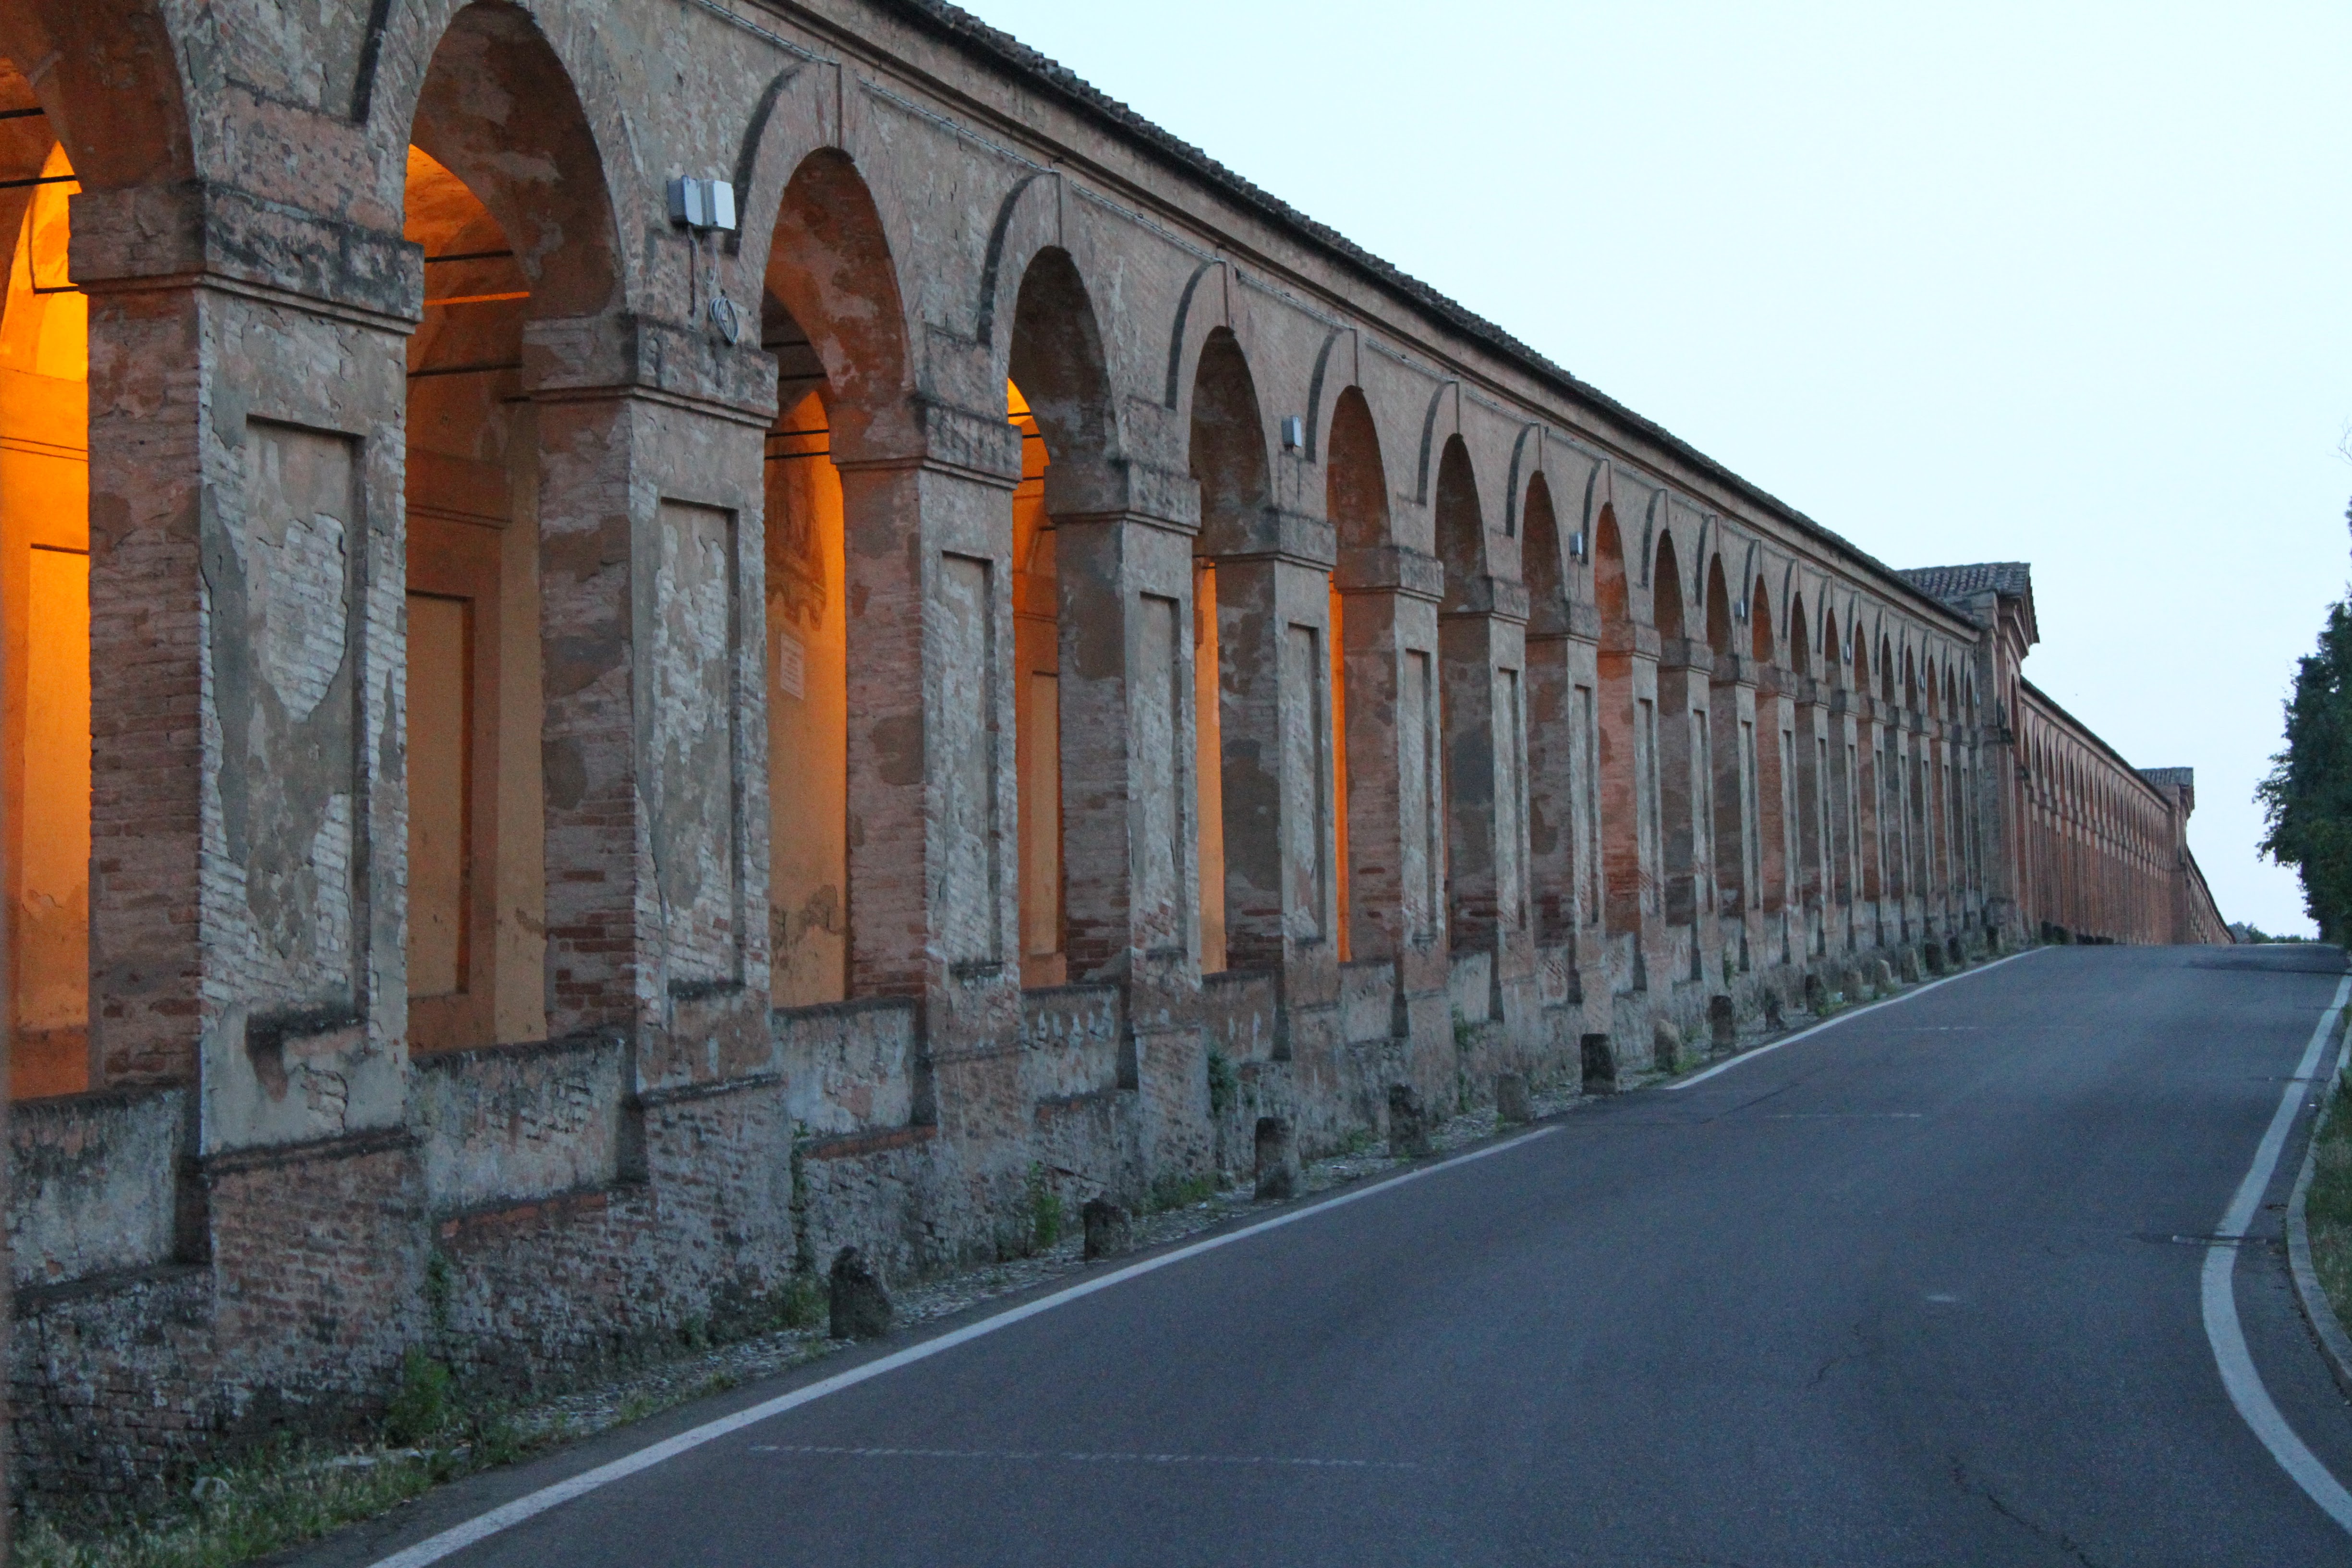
{"x":277,"y":1498}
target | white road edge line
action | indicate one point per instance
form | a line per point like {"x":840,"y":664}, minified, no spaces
{"x":1846,"y":1017}
{"x":2222,"y":1326}
{"x":482,"y":1527}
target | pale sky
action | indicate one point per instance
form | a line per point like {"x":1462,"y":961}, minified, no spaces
{"x":2060,"y":283}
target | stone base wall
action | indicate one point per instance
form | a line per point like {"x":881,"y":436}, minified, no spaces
{"x":535,"y":1224}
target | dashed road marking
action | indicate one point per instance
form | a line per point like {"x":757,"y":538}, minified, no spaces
{"x":822,"y":1450}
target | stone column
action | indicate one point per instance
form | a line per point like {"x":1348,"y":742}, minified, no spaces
{"x":1563,"y":684}
{"x":1777,"y":801}
{"x":1274,"y":612}
{"x":1870,"y":791}
{"x":1738,"y":807}
{"x":1848,"y":821}
{"x":1396,"y":789}
{"x":1130,"y":846}
{"x":249,"y":813}
{"x":1899,"y":797}
{"x":1687,"y":777}
{"x":933,"y":817}
{"x":1811,"y":886}
{"x":1632,"y":849}
{"x":653,"y":630}
{"x":1483,"y":643}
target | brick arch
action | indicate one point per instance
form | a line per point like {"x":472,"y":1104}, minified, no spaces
{"x":799,"y":116}
{"x":1054,"y":350}
{"x":537,"y":164}
{"x":1667,"y":588}
{"x":1798,"y":636}
{"x":109,"y":75}
{"x":1204,"y":311}
{"x":1355,"y":477}
{"x":1229,"y":456}
{"x":1528,"y":453}
{"x":1461,"y":523}
{"x":1543,"y":560}
{"x":831,"y":267}
{"x":1719,"y":618}
{"x":1761,"y":644}
{"x":1035,"y":228}
{"x":1611,"y":591}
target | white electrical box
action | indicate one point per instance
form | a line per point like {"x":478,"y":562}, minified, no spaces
{"x":702,"y":204}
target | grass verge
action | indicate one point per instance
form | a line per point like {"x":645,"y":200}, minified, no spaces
{"x":2327,"y":1208}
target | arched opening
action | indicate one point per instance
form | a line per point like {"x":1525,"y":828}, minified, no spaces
{"x":1628,"y":741}
{"x":1243,"y":859}
{"x":1777,"y":830}
{"x":1666,"y":589}
{"x":1685,"y":767}
{"x":1102,"y":794}
{"x":44,"y":611}
{"x":830,"y":313}
{"x":1037,"y":708}
{"x":1736,"y":775}
{"x":474,"y":888}
{"x":1840,"y":648}
{"x":1718,"y":608}
{"x":504,"y":192}
{"x":1394,"y":687}
{"x":1484,"y":723}
{"x":1562,"y":796}
{"x":1808,"y":879}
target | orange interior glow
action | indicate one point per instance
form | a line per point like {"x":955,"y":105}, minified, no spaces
{"x":44,"y":610}
{"x":808,"y":712}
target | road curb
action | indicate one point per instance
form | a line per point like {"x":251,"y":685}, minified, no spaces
{"x":2316,"y":1311}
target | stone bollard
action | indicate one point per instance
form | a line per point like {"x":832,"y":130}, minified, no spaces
{"x":1993,"y":941}
{"x":1817,"y":995}
{"x":1772,"y":1019}
{"x":1277,"y":1159}
{"x":1957,"y":954}
{"x":1109,"y":1232}
{"x":1665,"y":1045}
{"x":1408,"y":1123}
{"x":1512,"y":1104}
{"x":1600,"y":1065}
{"x":1722,"y":1025}
{"x":1910,"y":965}
{"x":1934,"y":953}
{"x":1883,"y":973}
{"x":861,"y":1307}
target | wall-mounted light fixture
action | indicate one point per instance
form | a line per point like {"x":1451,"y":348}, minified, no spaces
{"x":1576,"y":545}
{"x":700,"y":207}
{"x":1294,"y":433}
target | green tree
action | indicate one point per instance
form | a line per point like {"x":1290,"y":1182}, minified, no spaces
{"x":2307,"y":799}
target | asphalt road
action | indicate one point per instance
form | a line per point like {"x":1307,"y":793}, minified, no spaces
{"x":1923,"y":1289}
